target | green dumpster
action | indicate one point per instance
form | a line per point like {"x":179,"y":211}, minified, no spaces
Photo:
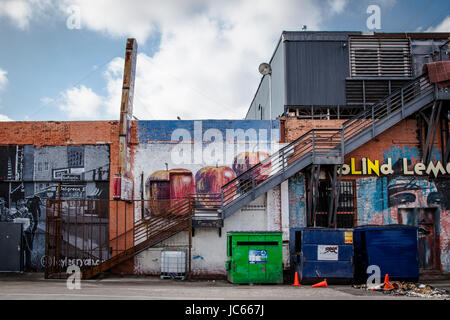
{"x":254,"y":257}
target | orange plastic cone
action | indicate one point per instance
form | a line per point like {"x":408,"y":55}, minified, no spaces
{"x":321,"y":284}
{"x":296,"y":282}
{"x":387,"y":285}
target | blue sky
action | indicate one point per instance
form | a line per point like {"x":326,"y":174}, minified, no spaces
{"x":197,"y":59}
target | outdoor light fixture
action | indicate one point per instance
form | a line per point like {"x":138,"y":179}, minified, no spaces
{"x":266,"y":69}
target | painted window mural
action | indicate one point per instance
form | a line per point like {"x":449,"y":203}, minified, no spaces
{"x":29,"y":175}
{"x":178,"y":158}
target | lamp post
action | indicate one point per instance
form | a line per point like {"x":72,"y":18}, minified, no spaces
{"x":266,"y":69}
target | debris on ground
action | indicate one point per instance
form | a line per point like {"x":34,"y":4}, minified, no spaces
{"x":408,"y":289}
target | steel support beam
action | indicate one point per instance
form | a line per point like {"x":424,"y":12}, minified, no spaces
{"x":334,"y":196}
{"x":315,"y":185}
{"x":431,"y":132}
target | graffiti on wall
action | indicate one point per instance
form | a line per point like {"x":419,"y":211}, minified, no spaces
{"x":30,"y":175}
{"x":402,"y":199}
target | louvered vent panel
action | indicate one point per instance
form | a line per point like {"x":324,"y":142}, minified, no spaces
{"x":374,"y":57}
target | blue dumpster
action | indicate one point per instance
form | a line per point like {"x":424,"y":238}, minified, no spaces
{"x":393,"y":248}
{"x":318,"y":253}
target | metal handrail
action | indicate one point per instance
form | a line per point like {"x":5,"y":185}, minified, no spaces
{"x":316,"y":142}
{"x":380,"y":111}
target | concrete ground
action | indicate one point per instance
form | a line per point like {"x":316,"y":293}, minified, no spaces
{"x":34,"y":286}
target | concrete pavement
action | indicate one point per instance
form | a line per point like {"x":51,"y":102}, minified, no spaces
{"x":34,"y":286}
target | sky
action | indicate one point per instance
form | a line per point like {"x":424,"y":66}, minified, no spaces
{"x":62,"y":60}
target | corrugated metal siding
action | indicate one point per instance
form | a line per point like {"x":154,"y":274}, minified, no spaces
{"x":278,"y":84}
{"x":375,"y":57}
{"x":316,"y":72}
{"x":261,"y":99}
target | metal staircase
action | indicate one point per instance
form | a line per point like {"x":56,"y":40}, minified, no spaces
{"x":147,"y":232}
{"x":328,"y":147}
{"x":314,"y":148}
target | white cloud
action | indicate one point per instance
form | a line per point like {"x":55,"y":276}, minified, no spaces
{"x":209,"y":52}
{"x":81,"y":103}
{"x":3,"y":79}
{"x":4,"y":118}
{"x":337,"y":6}
{"x":21,"y":12}
{"x":47,"y":100}
{"x":387,"y":3}
{"x":444,"y":26}
{"x":3,"y":83}
{"x":207,"y":59}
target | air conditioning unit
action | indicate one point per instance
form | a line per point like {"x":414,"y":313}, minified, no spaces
{"x":173,"y":264}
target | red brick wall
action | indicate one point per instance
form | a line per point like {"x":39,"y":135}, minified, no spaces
{"x":292,"y":128}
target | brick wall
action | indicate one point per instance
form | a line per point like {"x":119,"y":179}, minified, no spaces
{"x":292,"y":128}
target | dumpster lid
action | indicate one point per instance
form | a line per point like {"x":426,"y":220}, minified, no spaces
{"x":385,"y":227}
{"x":255,"y":232}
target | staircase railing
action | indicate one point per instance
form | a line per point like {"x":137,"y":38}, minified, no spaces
{"x":174,"y":216}
{"x":382,"y":110}
{"x":314,"y":143}
{"x":325,"y":142}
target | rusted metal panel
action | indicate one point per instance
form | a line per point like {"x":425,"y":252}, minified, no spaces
{"x":126,"y":108}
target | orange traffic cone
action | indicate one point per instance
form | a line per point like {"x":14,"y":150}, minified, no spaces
{"x":387,"y":285}
{"x":321,"y":284}
{"x":296,"y":282}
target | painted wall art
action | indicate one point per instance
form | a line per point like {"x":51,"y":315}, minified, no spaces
{"x":31,"y":175}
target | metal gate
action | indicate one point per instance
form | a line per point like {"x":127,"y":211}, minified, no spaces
{"x":77,"y":234}
{"x":99,"y":234}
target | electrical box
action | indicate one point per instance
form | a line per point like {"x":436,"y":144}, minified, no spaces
{"x":254,"y":257}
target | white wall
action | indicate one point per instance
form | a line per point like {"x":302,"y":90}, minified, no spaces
{"x":209,"y":250}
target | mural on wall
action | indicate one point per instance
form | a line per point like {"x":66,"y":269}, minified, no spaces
{"x":412,"y":199}
{"x":175,"y":158}
{"x":30,"y":175}
{"x":199,"y":157}
{"x":208,"y":183}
